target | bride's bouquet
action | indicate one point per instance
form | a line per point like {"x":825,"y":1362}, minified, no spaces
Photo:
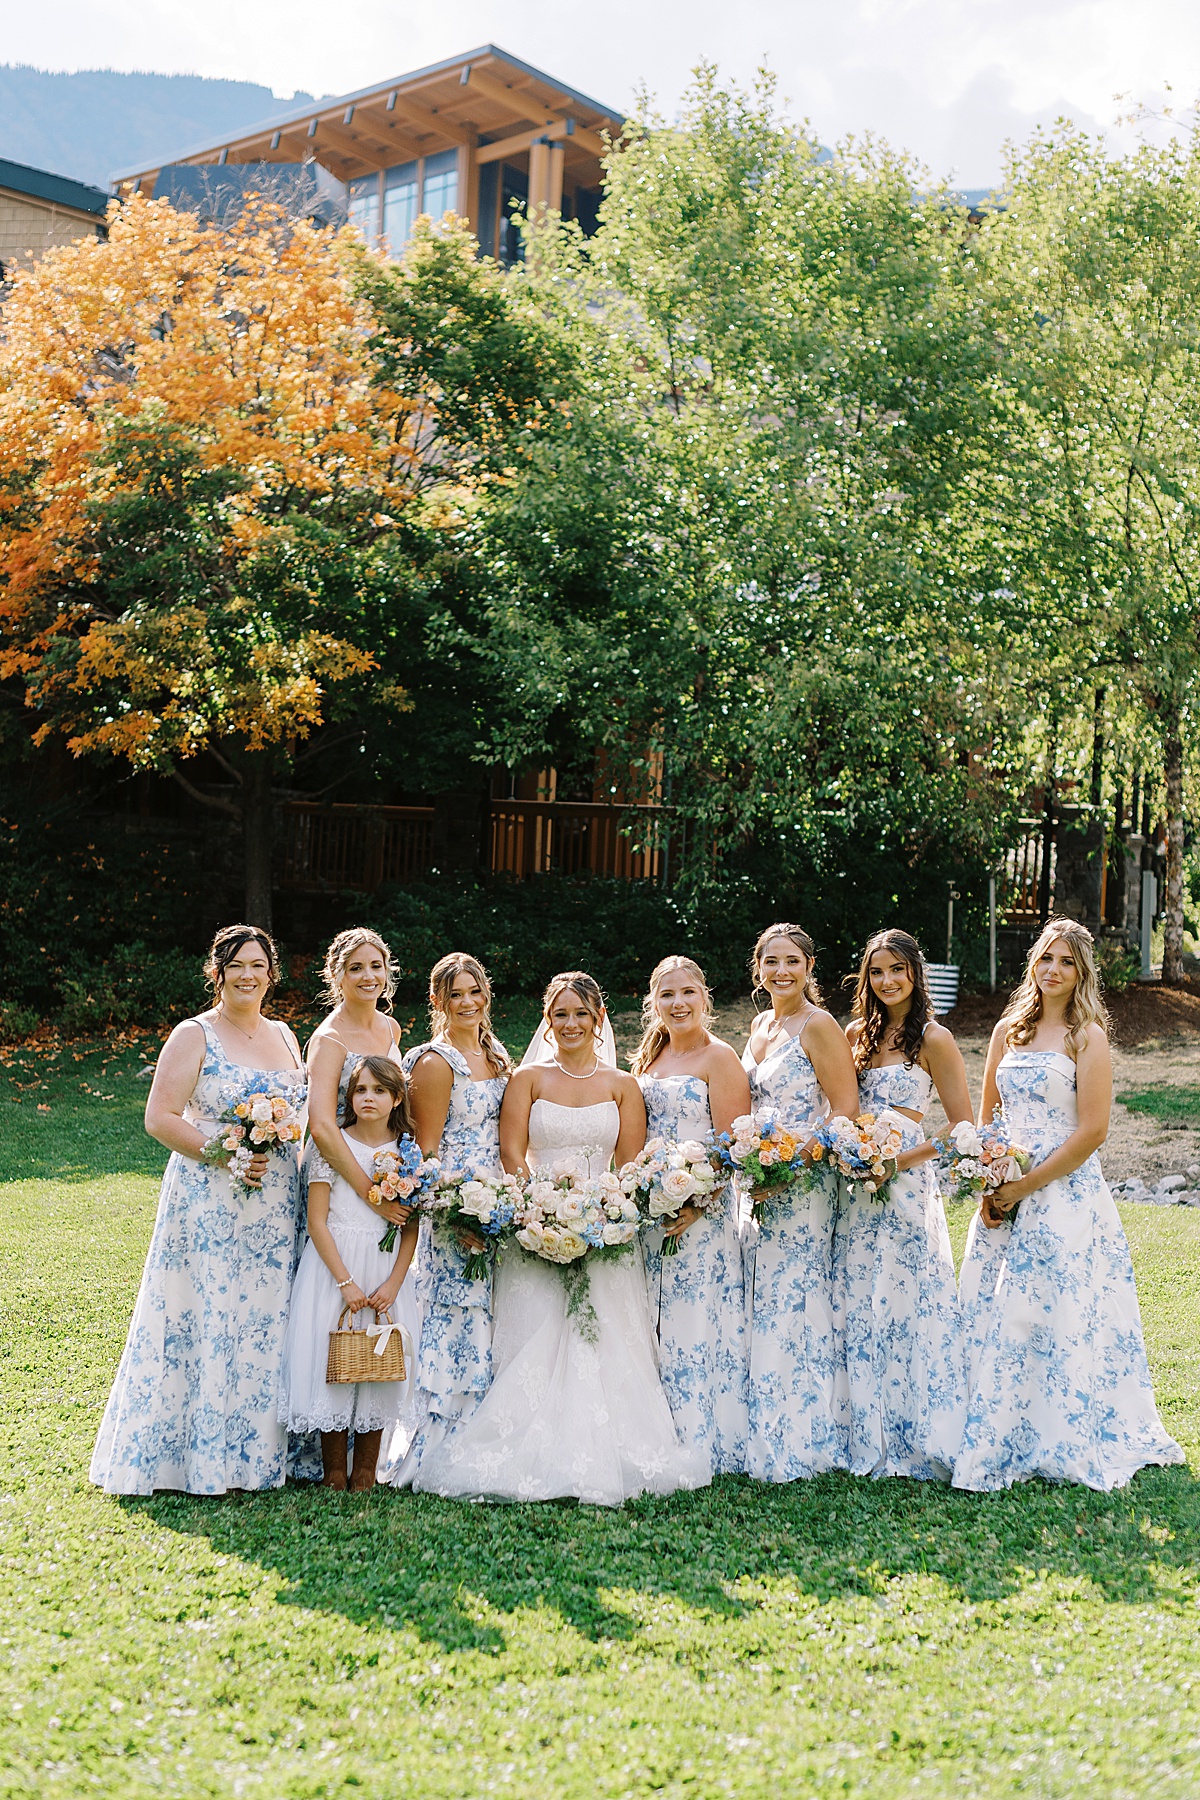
{"x":264,"y":1119}
{"x":403,"y":1175}
{"x":485,"y":1205}
{"x":759,"y":1149}
{"x":977,"y":1159}
{"x":663,"y":1178}
{"x":862,"y":1150}
{"x":569,"y":1217}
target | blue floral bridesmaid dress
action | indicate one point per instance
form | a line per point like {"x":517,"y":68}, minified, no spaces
{"x":796,"y":1424}
{"x":195,"y":1404}
{"x":1061,"y":1386}
{"x":698,"y":1296}
{"x":897,"y":1306}
{"x":454,"y":1362}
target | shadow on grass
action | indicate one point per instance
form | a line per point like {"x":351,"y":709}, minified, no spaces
{"x":447,"y":1569}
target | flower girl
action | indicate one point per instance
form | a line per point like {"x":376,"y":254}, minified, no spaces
{"x":342,"y":1266}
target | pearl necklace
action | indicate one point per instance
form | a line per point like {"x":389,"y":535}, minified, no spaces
{"x":573,"y":1075}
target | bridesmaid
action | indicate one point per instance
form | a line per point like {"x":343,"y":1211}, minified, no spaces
{"x":693,"y":1084}
{"x":359,"y":980}
{"x":1061,"y":1386}
{"x":456,"y":1083}
{"x":893,"y":1270}
{"x":800,"y":1069}
{"x":194,"y":1406}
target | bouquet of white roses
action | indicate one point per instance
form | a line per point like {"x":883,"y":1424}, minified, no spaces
{"x":977,"y":1159}
{"x":264,"y":1119}
{"x":570,"y":1217}
{"x":663,"y":1178}
{"x":487,"y":1206}
{"x":862,"y":1150}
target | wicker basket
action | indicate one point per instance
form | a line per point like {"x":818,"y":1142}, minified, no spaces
{"x":357,"y":1356}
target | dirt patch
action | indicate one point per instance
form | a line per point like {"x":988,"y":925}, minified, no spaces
{"x":1145,"y":1013}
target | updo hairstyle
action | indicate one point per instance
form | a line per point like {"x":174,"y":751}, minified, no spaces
{"x":655,"y":1035}
{"x":803,"y":943}
{"x":442,"y":978}
{"x":338,"y":955}
{"x":225,"y":946}
{"x":589,"y":992}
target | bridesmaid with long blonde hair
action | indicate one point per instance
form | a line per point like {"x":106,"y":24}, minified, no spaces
{"x":801,"y":1070}
{"x":1060,"y":1382}
{"x":693,"y":1084}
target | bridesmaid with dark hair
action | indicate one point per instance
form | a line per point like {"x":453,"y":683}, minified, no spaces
{"x":895,"y":1297}
{"x":194,"y":1406}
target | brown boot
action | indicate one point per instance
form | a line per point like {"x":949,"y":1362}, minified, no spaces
{"x":366,"y":1455}
{"x":333,"y":1460}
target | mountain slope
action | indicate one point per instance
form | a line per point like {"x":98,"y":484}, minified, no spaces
{"x":90,"y":123}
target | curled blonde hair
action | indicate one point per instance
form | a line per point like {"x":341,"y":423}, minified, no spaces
{"x":655,"y":1036}
{"x":802,"y":942}
{"x":589,"y":992}
{"x":338,"y":955}
{"x":444,"y":973}
{"x":1085,"y":1007}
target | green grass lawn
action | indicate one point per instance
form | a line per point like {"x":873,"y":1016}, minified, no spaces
{"x":838,"y":1637}
{"x":1164,"y":1102}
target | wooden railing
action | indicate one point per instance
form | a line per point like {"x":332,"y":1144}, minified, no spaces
{"x":330,"y":847}
{"x":1018,"y":890}
{"x":566,"y":837}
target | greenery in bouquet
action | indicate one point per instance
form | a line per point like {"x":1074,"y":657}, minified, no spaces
{"x":863,"y":1150}
{"x":570,"y":1217}
{"x":402,"y":1176}
{"x":486,"y":1206}
{"x":260,"y":1121}
{"x":663,"y":1178}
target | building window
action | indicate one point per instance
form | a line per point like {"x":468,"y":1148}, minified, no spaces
{"x":399,"y":205}
{"x":441,"y":184}
{"x":363,"y":208}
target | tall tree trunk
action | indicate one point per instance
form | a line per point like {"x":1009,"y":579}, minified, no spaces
{"x":258,"y":829}
{"x":1173,"y":770}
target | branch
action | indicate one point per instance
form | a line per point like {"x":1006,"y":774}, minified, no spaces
{"x":213,"y":801}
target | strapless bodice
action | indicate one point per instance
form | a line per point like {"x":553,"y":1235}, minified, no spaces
{"x":581,"y":1131}
{"x":896,"y":1084}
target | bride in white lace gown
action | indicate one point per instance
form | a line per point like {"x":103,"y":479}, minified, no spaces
{"x":566,"y":1416}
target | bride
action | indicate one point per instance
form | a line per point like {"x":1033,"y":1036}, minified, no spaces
{"x":565,"y":1415}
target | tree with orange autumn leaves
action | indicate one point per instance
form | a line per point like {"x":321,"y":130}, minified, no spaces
{"x":198,"y":467}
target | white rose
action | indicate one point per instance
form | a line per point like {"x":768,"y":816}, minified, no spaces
{"x":966,"y":1139}
{"x":608,"y":1183}
{"x":678,"y":1185}
{"x":615,"y":1234}
{"x":566,"y":1168}
{"x":543,"y":1194}
{"x":533,"y":1239}
{"x":570,"y":1246}
{"x":476,"y":1199}
{"x":693,"y":1151}
{"x":261,"y":1111}
{"x":569,"y":1209}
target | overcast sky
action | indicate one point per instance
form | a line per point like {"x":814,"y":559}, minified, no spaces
{"x":949,"y":80}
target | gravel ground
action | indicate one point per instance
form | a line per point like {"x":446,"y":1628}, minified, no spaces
{"x":1139,"y":1146}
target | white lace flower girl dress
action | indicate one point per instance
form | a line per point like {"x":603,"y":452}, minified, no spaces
{"x":566,"y":1416}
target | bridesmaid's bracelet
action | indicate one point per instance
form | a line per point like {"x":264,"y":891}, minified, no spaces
{"x":349,"y":1282}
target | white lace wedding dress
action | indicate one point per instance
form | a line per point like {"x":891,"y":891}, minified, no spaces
{"x":565,"y":1416}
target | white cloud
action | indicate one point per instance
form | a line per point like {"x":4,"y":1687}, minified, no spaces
{"x":947,"y":79}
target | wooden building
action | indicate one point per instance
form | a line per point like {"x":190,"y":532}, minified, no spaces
{"x":39,"y":210}
{"x":471,"y":136}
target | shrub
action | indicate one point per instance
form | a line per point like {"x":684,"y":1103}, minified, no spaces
{"x":135,"y":985}
{"x":16,"y":1022}
{"x":1119,"y":967}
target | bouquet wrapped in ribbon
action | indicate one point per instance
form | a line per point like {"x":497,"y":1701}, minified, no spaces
{"x":663,"y":1178}
{"x":262,"y":1120}
{"x":402,"y":1175}
{"x":768,"y":1157}
{"x":486,"y":1205}
{"x":977,"y":1159}
{"x":569,"y":1217}
{"x":863,"y":1150}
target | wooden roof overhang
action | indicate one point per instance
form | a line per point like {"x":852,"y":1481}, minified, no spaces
{"x":485,"y":102}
